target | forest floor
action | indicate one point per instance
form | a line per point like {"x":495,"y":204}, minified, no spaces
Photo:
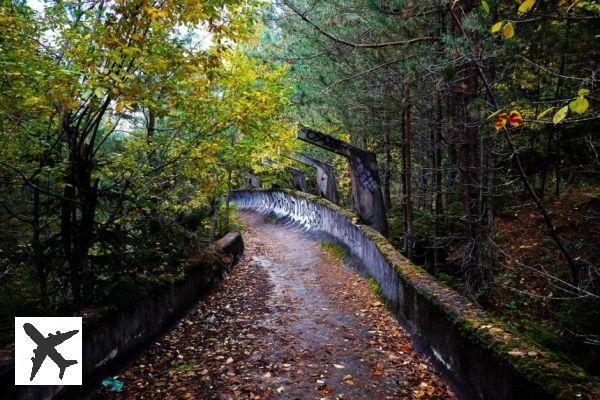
{"x":291,"y":321}
{"x":539,"y":308}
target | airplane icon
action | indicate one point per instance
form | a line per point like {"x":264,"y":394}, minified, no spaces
{"x":46,"y":347}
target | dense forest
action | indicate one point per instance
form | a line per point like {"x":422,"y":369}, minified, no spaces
{"x":123,"y":126}
{"x":126,"y":124}
{"x":483,"y":120}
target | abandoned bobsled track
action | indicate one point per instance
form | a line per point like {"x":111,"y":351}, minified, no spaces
{"x":293,"y":321}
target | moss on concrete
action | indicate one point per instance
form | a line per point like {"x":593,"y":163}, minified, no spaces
{"x":555,"y":377}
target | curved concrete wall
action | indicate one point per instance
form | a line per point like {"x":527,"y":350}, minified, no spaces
{"x":476,"y":349}
{"x":112,"y":338}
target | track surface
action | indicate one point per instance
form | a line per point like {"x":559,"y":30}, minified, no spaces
{"x":290,"y":322}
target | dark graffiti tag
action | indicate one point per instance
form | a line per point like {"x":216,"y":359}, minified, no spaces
{"x":366,"y":193}
{"x":364,"y":175}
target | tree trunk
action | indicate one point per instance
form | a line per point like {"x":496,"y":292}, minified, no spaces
{"x":78,"y":213}
{"x":387,"y":165}
{"x":38,"y":256}
{"x":476,"y":262}
{"x":214,"y":212}
{"x":407,"y":175}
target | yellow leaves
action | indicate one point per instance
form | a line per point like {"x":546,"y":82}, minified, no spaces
{"x":579,"y":105}
{"x":526,"y":6}
{"x":123,"y":105}
{"x":131,"y":51}
{"x":544,"y":113}
{"x":560,"y":115}
{"x":155,"y":13}
{"x":32,"y":101}
{"x":583,"y":92}
{"x":508,"y":31}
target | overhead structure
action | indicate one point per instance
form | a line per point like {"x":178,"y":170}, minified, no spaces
{"x":325,"y":176}
{"x":367,"y":197}
{"x":298,"y":178}
{"x":252,"y":180}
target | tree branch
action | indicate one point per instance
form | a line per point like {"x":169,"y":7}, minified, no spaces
{"x":360,"y":45}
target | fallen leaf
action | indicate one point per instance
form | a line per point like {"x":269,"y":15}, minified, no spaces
{"x":508,"y":31}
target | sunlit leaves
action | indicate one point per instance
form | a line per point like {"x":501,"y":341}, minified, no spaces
{"x":508,"y":31}
{"x":583,"y":92}
{"x":500,"y":121}
{"x":526,"y":6}
{"x":156,"y":13}
{"x":515,"y":119}
{"x":545,"y":112}
{"x":100,"y":92}
{"x":485,"y":7}
{"x":579,"y":105}
{"x":32,"y":101}
{"x":560,"y":115}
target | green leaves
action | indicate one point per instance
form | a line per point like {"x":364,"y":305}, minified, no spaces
{"x":485,"y":7}
{"x":32,"y":101}
{"x":100,"y":92}
{"x":579,"y":105}
{"x":583,"y":92}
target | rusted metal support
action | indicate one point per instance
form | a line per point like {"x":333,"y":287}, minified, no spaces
{"x":367,"y":197}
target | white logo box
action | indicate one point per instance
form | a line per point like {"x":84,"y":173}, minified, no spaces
{"x":55,"y":344}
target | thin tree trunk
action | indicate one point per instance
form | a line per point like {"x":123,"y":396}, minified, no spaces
{"x":407,"y":175}
{"x":38,"y":257}
{"x":214,"y":211}
{"x":387,"y":165}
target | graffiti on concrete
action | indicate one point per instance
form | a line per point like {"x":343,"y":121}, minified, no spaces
{"x":367,"y":198}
